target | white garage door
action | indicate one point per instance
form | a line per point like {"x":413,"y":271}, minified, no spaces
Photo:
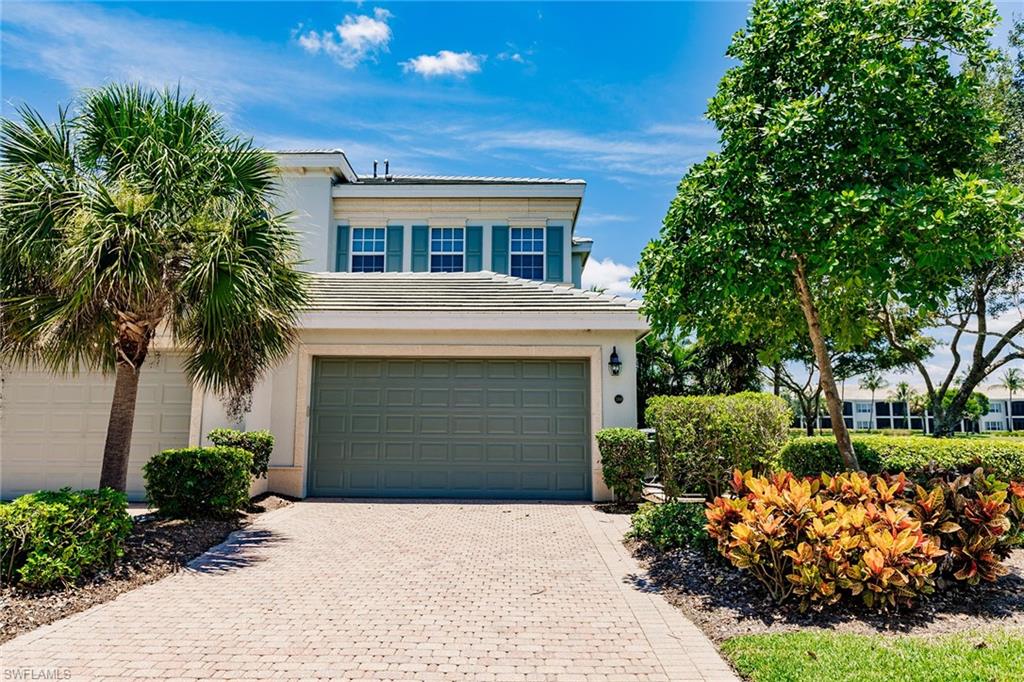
{"x":52,"y":428}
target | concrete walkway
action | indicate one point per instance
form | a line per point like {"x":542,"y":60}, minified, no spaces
{"x":389,"y":591}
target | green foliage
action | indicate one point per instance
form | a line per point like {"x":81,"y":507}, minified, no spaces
{"x":850,"y":144}
{"x":991,"y":656}
{"x":976,"y":407}
{"x":52,"y":538}
{"x":138,"y":210}
{"x":701,"y":439}
{"x":260,"y":444}
{"x":199,"y":482}
{"x":625,"y":459}
{"x":918,"y":456}
{"x":669,"y":366}
{"x":671,"y":525}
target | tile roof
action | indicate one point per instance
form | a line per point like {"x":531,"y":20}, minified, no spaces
{"x":470,"y":292}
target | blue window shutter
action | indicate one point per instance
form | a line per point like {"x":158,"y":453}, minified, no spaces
{"x":420,"y":248}
{"x":499,"y":249}
{"x":394,"y":248}
{"x":474,"y":248}
{"x":554,"y":254}
{"x":341,"y":250}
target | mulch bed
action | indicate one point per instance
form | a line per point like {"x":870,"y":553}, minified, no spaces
{"x":156,"y":548}
{"x":724,"y":602}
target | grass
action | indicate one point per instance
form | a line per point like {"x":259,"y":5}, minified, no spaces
{"x":814,"y":656}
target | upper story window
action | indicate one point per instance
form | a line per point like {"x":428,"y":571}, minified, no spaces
{"x":527,"y":252}
{"x":368,"y":249}
{"x":996,"y":408}
{"x":447,"y":249}
{"x":864,"y":408}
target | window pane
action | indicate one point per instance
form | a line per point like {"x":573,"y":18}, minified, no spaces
{"x":363,"y":263}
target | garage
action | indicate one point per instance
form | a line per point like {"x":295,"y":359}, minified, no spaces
{"x":52,"y":428}
{"x":450,"y":428}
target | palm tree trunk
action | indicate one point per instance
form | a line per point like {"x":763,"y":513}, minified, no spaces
{"x":114,"y":473}
{"x":827,"y":379}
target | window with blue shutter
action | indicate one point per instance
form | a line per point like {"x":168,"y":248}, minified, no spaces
{"x":368,"y":249}
{"x":499,"y":249}
{"x":526,"y":253}
{"x":341,"y":249}
{"x":554,"y":254}
{"x":395,"y":245}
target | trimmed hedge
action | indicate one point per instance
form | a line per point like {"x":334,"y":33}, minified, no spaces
{"x":54,"y":537}
{"x":701,"y":439}
{"x":258,"y":443}
{"x":625,"y":459}
{"x":918,"y":456}
{"x":199,"y":482}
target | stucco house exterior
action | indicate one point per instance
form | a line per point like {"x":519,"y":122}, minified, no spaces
{"x":448,"y":351}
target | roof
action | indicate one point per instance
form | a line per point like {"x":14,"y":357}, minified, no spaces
{"x":466,"y":180}
{"x":458,"y":291}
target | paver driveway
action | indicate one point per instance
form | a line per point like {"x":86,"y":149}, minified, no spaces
{"x":397,"y":591}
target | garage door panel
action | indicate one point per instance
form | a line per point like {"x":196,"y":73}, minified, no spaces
{"x":53,"y":427}
{"x":450,"y":428}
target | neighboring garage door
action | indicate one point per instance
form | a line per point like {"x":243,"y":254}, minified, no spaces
{"x":52,"y":428}
{"x":462,"y":428}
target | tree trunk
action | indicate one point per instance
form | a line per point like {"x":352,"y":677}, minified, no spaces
{"x":777,"y":379}
{"x":827,"y":379}
{"x":114,"y":473}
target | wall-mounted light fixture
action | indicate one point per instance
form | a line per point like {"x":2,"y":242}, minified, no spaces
{"x":614,"y":364}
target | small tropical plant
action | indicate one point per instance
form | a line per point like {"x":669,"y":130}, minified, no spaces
{"x":873,"y":538}
{"x":260,"y":444}
{"x":141,"y":215}
{"x":625,"y":459}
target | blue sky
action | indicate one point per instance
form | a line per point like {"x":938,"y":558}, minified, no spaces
{"x":610,"y":92}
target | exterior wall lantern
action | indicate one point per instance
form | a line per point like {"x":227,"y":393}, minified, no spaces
{"x":614,"y":364}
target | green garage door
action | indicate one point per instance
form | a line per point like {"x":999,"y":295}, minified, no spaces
{"x":469,"y":428}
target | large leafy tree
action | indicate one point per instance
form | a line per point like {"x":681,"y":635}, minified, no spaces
{"x":982,"y":318}
{"x":848,"y":175}
{"x":135,"y":216}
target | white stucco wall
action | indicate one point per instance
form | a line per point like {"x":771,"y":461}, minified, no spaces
{"x":308,"y":199}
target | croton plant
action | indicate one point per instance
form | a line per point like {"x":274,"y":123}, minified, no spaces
{"x":877,"y":538}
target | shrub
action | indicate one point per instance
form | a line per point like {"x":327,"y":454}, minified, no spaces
{"x":878,"y":538}
{"x":198,"y":482}
{"x":260,"y":444}
{"x":671,"y":525}
{"x":625,"y":460}
{"x":700,"y":439}
{"x":49,"y":538}
{"x":921,"y":457}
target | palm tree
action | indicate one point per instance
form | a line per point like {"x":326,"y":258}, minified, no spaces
{"x":903,"y":394}
{"x":873,"y":381}
{"x":140,"y":215}
{"x":1012,"y":381}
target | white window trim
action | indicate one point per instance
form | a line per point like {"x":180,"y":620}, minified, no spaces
{"x":432,"y":253}
{"x":542,"y":253}
{"x":352,"y":246}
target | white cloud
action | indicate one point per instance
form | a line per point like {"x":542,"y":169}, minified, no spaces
{"x":357,"y":38}
{"x":609,"y":276}
{"x":445,"y":63}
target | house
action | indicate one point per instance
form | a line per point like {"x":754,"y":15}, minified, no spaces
{"x":860,"y":415}
{"x":448,"y":351}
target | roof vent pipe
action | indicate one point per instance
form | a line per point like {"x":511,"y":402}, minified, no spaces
{"x":375,"y":168}
{"x":387,"y":170}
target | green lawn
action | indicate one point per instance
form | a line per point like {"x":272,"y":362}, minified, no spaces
{"x":816,"y":656}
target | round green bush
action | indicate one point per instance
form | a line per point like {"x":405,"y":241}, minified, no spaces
{"x":259,"y":443}
{"x":625,"y":460}
{"x":199,"y":482}
{"x":52,"y":538}
{"x":670,"y":525}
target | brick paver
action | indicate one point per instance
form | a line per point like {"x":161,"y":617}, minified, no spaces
{"x":390,"y":591}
